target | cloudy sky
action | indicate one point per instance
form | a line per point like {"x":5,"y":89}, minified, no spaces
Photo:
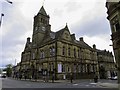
{"x":85,"y":18}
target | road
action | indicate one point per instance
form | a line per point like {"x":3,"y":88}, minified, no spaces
{"x":13,"y":83}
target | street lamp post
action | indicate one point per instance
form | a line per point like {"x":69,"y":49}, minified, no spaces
{"x":1,"y":19}
{"x":10,"y":2}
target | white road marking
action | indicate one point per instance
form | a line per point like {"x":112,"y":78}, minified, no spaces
{"x":87,"y":85}
{"x":93,"y":83}
{"x":75,"y":84}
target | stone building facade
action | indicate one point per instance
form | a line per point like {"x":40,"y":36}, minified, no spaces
{"x":106,"y":63}
{"x":113,"y":11}
{"x":56,"y":54}
{"x":15,"y":70}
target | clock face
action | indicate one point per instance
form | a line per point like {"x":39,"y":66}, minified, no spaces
{"x":36,"y":28}
{"x":43,"y":28}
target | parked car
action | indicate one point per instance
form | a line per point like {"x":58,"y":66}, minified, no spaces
{"x":109,"y":77}
{"x":114,"y":78}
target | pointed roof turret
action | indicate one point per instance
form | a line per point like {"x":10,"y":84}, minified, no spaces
{"x":66,"y":27}
{"x":42,"y":11}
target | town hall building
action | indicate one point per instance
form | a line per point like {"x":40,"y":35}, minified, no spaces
{"x":58,"y":53}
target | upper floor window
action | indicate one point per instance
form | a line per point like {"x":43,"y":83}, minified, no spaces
{"x":33,"y":56}
{"x":69,"y":51}
{"x":68,"y":69}
{"x":52,"y":51}
{"x":42,"y":54}
{"x":78,"y":53}
{"x":74,"y":52}
{"x":63,"y":51}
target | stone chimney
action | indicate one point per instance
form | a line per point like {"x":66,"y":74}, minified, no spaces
{"x":94,"y":46}
{"x":28,"y":40}
{"x":81,"y":39}
{"x":73,"y":36}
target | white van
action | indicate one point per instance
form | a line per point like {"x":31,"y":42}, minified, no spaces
{"x":3,"y":74}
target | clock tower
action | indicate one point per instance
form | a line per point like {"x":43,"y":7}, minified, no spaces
{"x":41,"y":26}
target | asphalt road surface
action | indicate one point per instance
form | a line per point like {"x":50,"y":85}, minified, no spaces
{"x":13,"y":83}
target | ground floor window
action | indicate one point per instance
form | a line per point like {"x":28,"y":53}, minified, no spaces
{"x":59,"y":68}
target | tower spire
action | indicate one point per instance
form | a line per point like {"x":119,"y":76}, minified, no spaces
{"x":66,"y":27}
{"x":42,"y":11}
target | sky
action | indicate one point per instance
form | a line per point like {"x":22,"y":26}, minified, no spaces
{"x":85,"y":18}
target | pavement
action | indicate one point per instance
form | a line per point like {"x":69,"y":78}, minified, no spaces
{"x":108,"y":85}
{"x":0,"y":83}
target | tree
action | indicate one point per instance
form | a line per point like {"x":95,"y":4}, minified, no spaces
{"x":9,"y":70}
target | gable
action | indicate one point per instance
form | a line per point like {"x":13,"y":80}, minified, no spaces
{"x":66,"y":35}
